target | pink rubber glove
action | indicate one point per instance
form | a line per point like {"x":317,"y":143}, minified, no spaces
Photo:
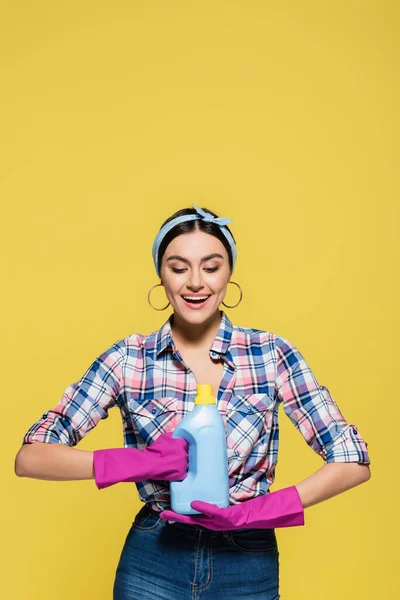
{"x":282,"y":508}
{"x":166,"y":459}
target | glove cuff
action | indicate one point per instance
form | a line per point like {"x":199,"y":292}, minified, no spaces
{"x":114,"y":465}
{"x":282,"y":508}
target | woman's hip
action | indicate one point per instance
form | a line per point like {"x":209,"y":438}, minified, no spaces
{"x":185,"y":562}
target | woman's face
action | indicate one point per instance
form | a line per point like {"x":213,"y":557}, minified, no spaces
{"x":195,"y":264}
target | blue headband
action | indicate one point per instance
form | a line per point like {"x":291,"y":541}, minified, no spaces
{"x":201,"y":214}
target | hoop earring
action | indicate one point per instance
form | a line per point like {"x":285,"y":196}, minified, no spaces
{"x":148,"y":298}
{"x":240,"y":299}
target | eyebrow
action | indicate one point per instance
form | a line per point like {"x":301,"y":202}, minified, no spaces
{"x":185,"y":260}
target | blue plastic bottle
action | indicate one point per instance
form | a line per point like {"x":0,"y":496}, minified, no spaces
{"x":207,"y":479}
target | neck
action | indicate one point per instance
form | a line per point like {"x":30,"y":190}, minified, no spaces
{"x":195,"y":335}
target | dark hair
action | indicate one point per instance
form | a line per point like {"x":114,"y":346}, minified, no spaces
{"x":193,"y":225}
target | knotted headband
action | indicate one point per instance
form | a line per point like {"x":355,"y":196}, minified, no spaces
{"x":203,"y":215}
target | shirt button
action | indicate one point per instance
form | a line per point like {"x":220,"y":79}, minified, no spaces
{"x":154,"y":411}
{"x":355,"y":431}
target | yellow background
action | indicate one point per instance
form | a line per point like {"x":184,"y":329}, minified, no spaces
{"x":282,"y":116}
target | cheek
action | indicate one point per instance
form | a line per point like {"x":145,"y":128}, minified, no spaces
{"x":223,"y":282}
{"x":219,"y":290}
{"x":173,"y":287}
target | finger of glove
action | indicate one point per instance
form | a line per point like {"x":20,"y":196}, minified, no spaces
{"x":206,"y":507}
{"x":169,"y":457}
{"x":166,"y":443}
{"x":170,"y":515}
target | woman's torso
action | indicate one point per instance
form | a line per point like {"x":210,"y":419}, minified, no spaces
{"x":154,"y":386}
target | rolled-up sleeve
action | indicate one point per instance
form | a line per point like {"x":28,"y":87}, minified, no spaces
{"x":83,"y":403}
{"x":313,"y":411}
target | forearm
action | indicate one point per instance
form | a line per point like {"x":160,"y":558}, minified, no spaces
{"x":330,"y":480}
{"x":56,"y":462}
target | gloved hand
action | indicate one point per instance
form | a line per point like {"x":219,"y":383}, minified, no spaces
{"x":166,"y":459}
{"x":282,"y":508}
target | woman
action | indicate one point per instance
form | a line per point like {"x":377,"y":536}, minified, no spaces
{"x":220,"y":553}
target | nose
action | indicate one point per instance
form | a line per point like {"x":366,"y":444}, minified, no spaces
{"x":195,"y":280}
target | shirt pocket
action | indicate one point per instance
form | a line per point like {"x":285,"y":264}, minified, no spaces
{"x":248,"y":422}
{"x":151,"y":418}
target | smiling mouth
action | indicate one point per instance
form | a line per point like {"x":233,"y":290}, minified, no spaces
{"x":193,"y":300}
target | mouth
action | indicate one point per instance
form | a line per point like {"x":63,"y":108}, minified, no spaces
{"x":195,"y":303}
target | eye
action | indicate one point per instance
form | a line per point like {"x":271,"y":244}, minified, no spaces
{"x":209,"y":270}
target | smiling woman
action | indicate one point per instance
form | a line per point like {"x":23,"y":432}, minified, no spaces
{"x":202,"y":282}
{"x":194,"y":298}
{"x":195,"y":259}
{"x":152,"y":378}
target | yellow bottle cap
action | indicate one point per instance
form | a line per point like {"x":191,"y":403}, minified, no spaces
{"x":204,"y":394}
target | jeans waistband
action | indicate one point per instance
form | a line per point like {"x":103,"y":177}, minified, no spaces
{"x":148,"y":512}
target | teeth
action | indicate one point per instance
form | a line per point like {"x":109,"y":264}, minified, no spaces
{"x":195,"y":297}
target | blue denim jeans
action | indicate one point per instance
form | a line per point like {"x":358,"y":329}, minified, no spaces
{"x":174,"y":561}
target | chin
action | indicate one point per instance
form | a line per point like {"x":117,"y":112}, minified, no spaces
{"x":197,"y":316}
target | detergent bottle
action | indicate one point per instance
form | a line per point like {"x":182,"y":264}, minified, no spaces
{"x":207,"y":478}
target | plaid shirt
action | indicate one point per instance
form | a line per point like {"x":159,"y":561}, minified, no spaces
{"x":146,"y":377}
